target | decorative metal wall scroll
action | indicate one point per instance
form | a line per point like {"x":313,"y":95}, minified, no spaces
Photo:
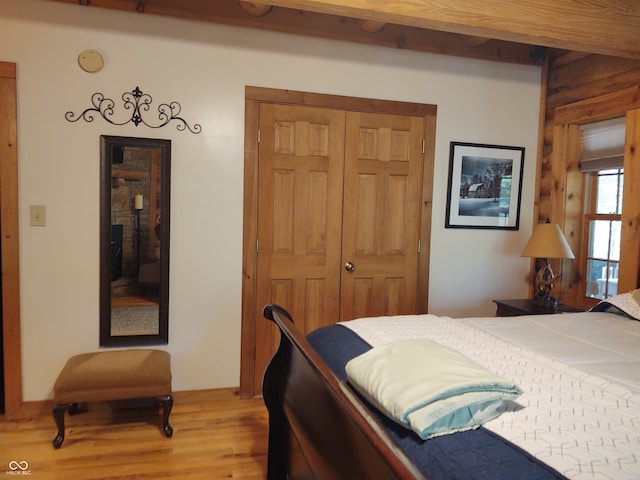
{"x":139,"y":103}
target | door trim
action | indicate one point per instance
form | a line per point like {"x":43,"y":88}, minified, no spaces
{"x":254,"y":96}
{"x":10,"y":246}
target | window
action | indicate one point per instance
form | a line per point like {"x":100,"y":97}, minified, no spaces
{"x":602,"y":229}
{"x":602,"y":161}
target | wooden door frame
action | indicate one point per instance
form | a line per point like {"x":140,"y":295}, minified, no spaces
{"x":9,"y":237}
{"x":254,"y":96}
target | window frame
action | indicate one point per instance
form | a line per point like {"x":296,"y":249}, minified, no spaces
{"x":590,"y":214}
{"x":566,"y":184}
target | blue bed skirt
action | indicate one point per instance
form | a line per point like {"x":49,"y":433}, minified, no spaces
{"x":475,"y":454}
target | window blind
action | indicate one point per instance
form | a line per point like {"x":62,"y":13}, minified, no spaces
{"x":603,"y":145}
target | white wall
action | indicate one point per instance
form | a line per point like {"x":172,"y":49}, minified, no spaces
{"x":205,"y":67}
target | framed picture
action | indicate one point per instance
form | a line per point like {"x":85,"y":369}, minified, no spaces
{"x":485,"y":184}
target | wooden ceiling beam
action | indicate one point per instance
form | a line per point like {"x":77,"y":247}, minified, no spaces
{"x":476,"y":41}
{"x":608,"y":27}
{"x":300,"y":22}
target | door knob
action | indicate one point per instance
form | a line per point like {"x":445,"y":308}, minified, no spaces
{"x":349,"y":267}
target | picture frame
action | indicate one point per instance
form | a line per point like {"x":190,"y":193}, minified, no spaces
{"x":485,"y":186}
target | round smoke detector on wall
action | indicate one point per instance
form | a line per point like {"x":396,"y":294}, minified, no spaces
{"x":90,"y":61}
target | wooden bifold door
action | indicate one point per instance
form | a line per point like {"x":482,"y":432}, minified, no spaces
{"x":339,"y":219}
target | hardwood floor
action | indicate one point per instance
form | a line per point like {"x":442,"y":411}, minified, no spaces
{"x":216,"y":436}
{"x":133,"y":301}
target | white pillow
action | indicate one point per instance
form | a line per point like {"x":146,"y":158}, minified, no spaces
{"x":430,"y":388}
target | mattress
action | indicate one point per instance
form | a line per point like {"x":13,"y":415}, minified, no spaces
{"x":477,"y":454}
{"x":580,"y":413}
{"x":600,"y":343}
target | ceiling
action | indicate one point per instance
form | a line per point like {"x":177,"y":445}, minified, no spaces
{"x":502,"y":30}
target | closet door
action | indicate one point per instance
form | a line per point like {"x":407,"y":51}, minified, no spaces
{"x":381,"y":215}
{"x":339,"y":211}
{"x":301,"y":163}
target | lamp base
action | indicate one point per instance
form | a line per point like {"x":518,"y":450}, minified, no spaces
{"x":547,"y":303}
{"x":544,"y":285}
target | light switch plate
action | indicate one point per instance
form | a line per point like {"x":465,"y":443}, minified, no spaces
{"x":37,"y":215}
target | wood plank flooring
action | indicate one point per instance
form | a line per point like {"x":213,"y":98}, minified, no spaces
{"x":216,"y":436}
{"x":133,"y":301}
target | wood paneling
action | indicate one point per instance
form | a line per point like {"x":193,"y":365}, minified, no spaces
{"x":567,"y":196}
{"x":571,"y":95}
{"x":9,"y":238}
{"x":600,"y":106}
{"x":584,"y":89}
{"x":629,"y":277}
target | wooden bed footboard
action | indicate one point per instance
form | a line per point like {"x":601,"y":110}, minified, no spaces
{"x":318,"y":429}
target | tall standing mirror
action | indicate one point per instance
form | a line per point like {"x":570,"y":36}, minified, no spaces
{"x":135,"y":180}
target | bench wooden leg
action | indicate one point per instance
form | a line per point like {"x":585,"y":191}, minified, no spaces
{"x":167,"y":403}
{"x":58,"y":415}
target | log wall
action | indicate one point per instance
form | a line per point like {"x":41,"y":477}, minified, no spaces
{"x":581,"y":88}
{"x":575,"y":77}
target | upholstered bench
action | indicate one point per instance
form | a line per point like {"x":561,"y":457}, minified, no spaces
{"x":113,"y":375}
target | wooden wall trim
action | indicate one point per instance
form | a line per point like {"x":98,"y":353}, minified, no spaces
{"x":249,"y":244}
{"x":603,"y":107}
{"x":629,"y":272}
{"x":355,"y":104}
{"x":427,"y":212}
{"x":572,"y":219}
{"x":544,"y":85}
{"x":8,"y":70}
{"x":567,"y":195}
{"x":10,"y":244}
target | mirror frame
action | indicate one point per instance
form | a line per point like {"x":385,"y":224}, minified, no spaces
{"x":107,"y":143}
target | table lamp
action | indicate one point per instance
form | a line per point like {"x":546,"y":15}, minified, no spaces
{"x":546,"y":242}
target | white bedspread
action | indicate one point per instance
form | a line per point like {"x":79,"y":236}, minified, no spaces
{"x":600,"y":343}
{"x":580,"y":411}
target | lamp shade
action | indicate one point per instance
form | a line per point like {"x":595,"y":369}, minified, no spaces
{"x":547,"y":241}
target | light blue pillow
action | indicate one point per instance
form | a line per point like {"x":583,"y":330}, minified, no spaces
{"x":429,"y":388}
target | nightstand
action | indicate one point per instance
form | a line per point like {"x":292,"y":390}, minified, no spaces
{"x":525,"y":306}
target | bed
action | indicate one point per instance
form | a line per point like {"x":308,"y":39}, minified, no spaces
{"x":577,"y":414}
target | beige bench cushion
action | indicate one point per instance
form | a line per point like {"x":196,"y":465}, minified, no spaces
{"x":114,"y":375}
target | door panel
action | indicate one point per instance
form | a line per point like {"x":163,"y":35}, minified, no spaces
{"x":335,"y":187}
{"x":301,"y":156}
{"x":302,"y":126}
{"x":381,"y":214}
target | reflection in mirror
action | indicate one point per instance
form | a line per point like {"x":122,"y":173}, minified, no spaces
{"x":134,"y":241}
